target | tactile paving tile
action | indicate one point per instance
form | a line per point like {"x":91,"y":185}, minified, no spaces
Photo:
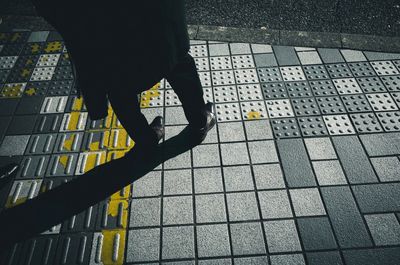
{"x":228,"y":112}
{"x":396,"y":97}
{"x":285,"y":128}
{"x":82,"y":222}
{"x":96,"y":141}
{"x":68,"y":142}
{"x":223,"y":78}
{"x":221,"y":63}
{"x":250,"y":92}
{"x":298,"y":89}
{"x":397,"y":64}
{"x":74,"y":121}
{"x":23,"y":190}
{"x":323,"y":88}
{"x":356,"y":103}
{"x":75,"y":103}
{"x":198,"y":51}
{"x":383,"y":68}
{"x":390,"y":120}
{"x":36,"y":88}
{"x":208,"y":94}
{"x":392,"y":83}
{"x":338,"y":70}
{"x":4,"y":75}
{"x":274,"y":90}
{"x":27,"y":61}
{"x":54,"y":47}
{"x":381,"y":102}
{"x":13,"y":90}
{"x":95,"y":125}
{"x":253,"y":110}
{"x":269,"y":74}
{"x":7,"y":62}
{"x":338,"y":124}
{"x":361,"y":69}
{"x":366,"y":122}
{"x":111,"y":242}
{"x":120,"y":140}
{"x":54,"y":105}
{"x":205,"y":78}
{"x":292,"y":73}
{"x":62,"y":165}
{"x":59,"y":88}
{"x":305,"y":107}
{"x":202,"y":64}
{"x":330,"y":105}
{"x":74,"y":248}
{"x":152,"y":98}
{"x":42,"y":73}
{"x":312,"y":126}
{"x":315,"y":72}
{"x":18,"y":74}
{"x":243,"y":61}
{"x":33,"y":167}
{"x":347,"y":86}
{"x":280,"y":108}
{"x":48,"y":123}
{"x":63,"y":73}
{"x":47,"y":60}
{"x":116,"y":219}
{"x":246,"y":76}
{"x":41,"y":144}
{"x":33,"y":48}
{"x":371,"y":84}
{"x":225,"y":94}
{"x":171,"y":98}
{"x":89,"y":160}
{"x":64,"y":60}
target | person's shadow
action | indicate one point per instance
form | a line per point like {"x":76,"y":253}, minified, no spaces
{"x":56,"y":205}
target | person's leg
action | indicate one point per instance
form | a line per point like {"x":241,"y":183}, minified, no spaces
{"x":185,"y":81}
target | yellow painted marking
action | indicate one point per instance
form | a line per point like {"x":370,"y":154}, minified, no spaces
{"x":29,"y":62}
{"x":115,"y":211}
{"x":119,"y":139}
{"x":93,"y":160}
{"x":66,"y":56}
{"x":73,"y":121}
{"x":30,"y":91}
{"x":10,"y":202}
{"x":111,"y":155}
{"x":122,"y":194}
{"x":113,"y":250}
{"x":78,"y":104}
{"x":97,"y":146}
{"x":3,"y":36}
{"x":35,"y":48}
{"x":64,"y":160}
{"x":253,"y":115}
{"x":25,"y":73}
{"x":16,"y":37}
{"x":13,"y":90}
{"x":148,"y":95}
{"x":54,"y":46}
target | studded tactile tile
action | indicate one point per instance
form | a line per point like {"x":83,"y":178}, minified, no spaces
{"x":371,"y":84}
{"x":4,"y":75}
{"x":305,"y":107}
{"x":253,"y":110}
{"x":312,"y":126}
{"x":42,"y":73}
{"x":47,"y":60}
{"x":315,"y":72}
{"x":249,"y":92}
{"x":59,"y":88}
{"x":171,"y":98}
{"x":285,"y":128}
{"x":269,"y":74}
{"x":330,"y":105}
{"x":198,"y":50}
{"x":356,"y":103}
{"x":338,"y":70}
{"x":361,"y":69}
{"x":243,"y":61}
{"x":246,"y":76}
{"x":366,"y":122}
{"x":64,"y":60}
{"x":27,"y":61}
{"x":383,"y":68}
{"x":36,"y":88}
{"x":381,"y":102}
{"x":205,"y":78}
{"x":280,"y":108}
{"x":33,"y":48}
{"x":346,"y":86}
{"x":54,"y":47}
{"x":338,"y":124}
{"x":392,"y":83}
{"x":208,"y":94}
{"x":13,"y":90}
{"x":222,"y":78}
{"x":63,"y":73}
{"x":19,"y":75}
{"x":202,"y":64}
{"x":292,"y":73}
{"x":152,"y":98}
{"x":225,"y":94}
{"x":298,"y":89}
{"x":397,"y":64}
{"x":228,"y":112}
{"x":323,"y":88}
{"x":274,"y":90}
{"x":7,"y":62}
{"x":221,"y":63}
{"x":396,"y":97}
{"x":390,"y":120}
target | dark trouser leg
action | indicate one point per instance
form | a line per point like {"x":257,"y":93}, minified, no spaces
{"x":127,"y":109}
{"x":185,"y":81}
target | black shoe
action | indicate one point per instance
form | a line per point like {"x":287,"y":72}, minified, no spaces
{"x":158,"y":127}
{"x":201,"y":133}
{"x":7,"y":172}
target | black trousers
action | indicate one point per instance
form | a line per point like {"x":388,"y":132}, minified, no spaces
{"x":184,"y":80}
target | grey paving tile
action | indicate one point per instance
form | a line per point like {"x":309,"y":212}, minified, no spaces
{"x":385,"y":229}
{"x":186,"y":262}
{"x":177,"y":210}
{"x":330,"y":55}
{"x":381,"y":144}
{"x":286,"y":55}
{"x":143,"y":245}
{"x":206,"y":155}
{"x":261,"y":48}
{"x":346,"y":220}
{"x":240,"y":48}
{"x":372,"y":256}
{"x":14,"y":145}
{"x":242,"y":206}
{"x":373,"y":56}
{"x":247,"y":239}
{"x":177,"y":182}
{"x":307,"y":202}
{"x":296,"y":166}
{"x":8,"y":106}
{"x":378,"y":197}
{"x":219,"y":49}
{"x":252,"y":261}
{"x":174,"y":116}
{"x":282,"y":236}
{"x":21,"y":125}
{"x":265,"y":60}
{"x":38,"y":36}
{"x":275,"y":204}
{"x":178,"y":242}
{"x":213,"y":240}
{"x":148,"y":185}
{"x":329,"y":173}
{"x":316,"y":233}
{"x":290,"y":259}
{"x":353,"y":56}
{"x":309,"y":57}
{"x":239,"y":149}
{"x":210,"y":208}
{"x":320,"y":148}
{"x":328,"y":258}
{"x":268,"y":176}
{"x":231,"y":132}
{"x":258,"y":130}
{"x":145,"y":212}
{"x":181,"y":161}
{"x":387,"y":168}
{"x":354,"y":160}
{"x":263,"y":152}
{"x":238,"y":178}
{"x":207,"y":180}
{"x":215,"y":262}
